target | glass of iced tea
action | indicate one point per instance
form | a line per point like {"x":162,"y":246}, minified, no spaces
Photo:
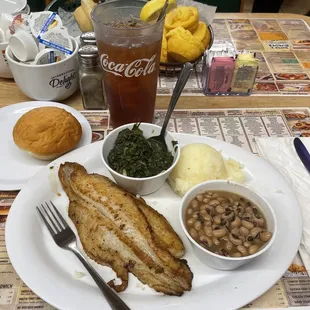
{"x":129,"y":54}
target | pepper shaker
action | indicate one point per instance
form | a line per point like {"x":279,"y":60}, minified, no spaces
{"x":90,"y":76}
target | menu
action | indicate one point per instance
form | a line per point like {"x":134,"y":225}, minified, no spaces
{"x":239,"y":127}
{"x":281,"y":45}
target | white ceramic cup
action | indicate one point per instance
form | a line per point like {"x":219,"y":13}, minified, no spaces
{"x":141,"y":186}
{"x":56,"y":81}
{"x":23,"y":46}
{"x":214,"y":260}
{"x":5,"y":71}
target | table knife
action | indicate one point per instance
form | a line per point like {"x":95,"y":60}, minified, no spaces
{"x":302,"y":152}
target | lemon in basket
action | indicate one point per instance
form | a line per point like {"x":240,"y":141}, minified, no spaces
{"x":152,"y":9}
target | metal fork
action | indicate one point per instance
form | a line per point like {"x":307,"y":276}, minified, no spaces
{"x":65,"y":238}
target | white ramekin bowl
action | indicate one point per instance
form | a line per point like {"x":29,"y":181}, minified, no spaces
{"x":214,"y":260}
{"x":56,"y":81}
{"x":140,"y":186}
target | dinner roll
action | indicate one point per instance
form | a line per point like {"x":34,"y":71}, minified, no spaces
{"x":47,"y":132}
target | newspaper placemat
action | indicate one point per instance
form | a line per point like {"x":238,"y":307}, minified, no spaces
{"x":281,"y":45}
{"x":239,"y":127}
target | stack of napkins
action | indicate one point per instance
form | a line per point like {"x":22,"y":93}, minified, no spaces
{"x":281,"y":153}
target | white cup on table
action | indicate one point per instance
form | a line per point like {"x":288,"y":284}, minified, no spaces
{"x":55,"y":81}
{"x":23,"y":46}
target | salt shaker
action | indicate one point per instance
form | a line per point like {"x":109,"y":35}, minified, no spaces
{"x":88,"y":38}
{"x":90,"y":75}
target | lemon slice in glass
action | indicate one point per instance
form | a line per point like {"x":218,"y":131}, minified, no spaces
{"x":152,"y":9}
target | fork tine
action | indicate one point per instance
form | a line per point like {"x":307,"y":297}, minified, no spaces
{"x":54,"y":216}
{"x":46,"y":222}
{"x":52,"y":222}
{"x":60,"y":216}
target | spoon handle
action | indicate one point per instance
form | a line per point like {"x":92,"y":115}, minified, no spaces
{"x":181,"y":82}
{"x":163,"y":11}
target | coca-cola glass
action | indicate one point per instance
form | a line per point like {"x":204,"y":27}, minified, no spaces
{"x":129,"y":55}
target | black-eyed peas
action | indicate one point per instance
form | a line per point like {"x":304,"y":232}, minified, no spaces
{"x":214,"y":203}
{"x":220,"y":209}
{"x":215,"y":241}
{"x":234,"y":239}
{"x":253,"y":249}
{"x":198,"y":225}
{"x":199,"y":197}
{"x":247,"y":244}
{"x":243,"y":250}
{"x":236,"y":222}
{"x":244,"y":231}
{"x":217,"y":220}
{"x":265,"y":236}
{"x":201,"y":232}
{"x":228,"y":246}
{"x":208,"y":231}
{"x":235,"y":231}
{"x":206,"y":200}
{"x":195,"y":204}
{"x":226,"y":224}
{"x":219,"y":233}
{"x":193,"y":233}
{"x":255,"y":231}
{"x":247,"y":224}
{"x":191,"y":222}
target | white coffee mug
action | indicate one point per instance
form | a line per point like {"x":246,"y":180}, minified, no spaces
{"x":55,"y":81}
{"x":5,"y":71}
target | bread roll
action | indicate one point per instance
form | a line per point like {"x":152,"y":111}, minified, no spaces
{"x":183,"y":46}
{"x":47,"y":132}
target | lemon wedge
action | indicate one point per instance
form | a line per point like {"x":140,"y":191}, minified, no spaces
{"x":152,"y":9}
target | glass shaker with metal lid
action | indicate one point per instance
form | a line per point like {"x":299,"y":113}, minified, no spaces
{"x":88,"y":38}
{"x":90,"y":76}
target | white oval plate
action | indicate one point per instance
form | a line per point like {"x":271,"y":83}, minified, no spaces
{"x":49,"y":270}
{"x":17,"y":166}
{"x":10,"y":7}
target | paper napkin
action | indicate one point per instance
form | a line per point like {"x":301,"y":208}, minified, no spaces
{"x":280,"y":152}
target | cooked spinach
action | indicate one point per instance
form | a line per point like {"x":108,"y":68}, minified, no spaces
{"x":133,"y":155}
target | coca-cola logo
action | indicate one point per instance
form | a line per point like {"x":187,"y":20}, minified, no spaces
{"x":63,"y":80}
{"x":136,"y":68}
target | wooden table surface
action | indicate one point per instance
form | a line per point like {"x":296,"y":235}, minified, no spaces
{"x":9,"y":92}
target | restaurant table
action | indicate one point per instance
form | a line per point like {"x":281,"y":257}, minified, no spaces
{"x":233,"y":119}
{"x":9,"y":92}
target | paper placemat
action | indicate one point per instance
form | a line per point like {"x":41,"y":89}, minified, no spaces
{"x":239,"y":127}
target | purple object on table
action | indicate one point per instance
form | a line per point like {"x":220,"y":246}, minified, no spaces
{"x":302,"y":153}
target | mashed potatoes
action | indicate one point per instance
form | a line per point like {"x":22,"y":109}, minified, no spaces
{"x":199,"y":163}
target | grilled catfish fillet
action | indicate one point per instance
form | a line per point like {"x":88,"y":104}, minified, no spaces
{"x":123,"y":232}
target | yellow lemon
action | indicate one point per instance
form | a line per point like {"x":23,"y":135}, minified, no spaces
{"x":152,"y":9}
